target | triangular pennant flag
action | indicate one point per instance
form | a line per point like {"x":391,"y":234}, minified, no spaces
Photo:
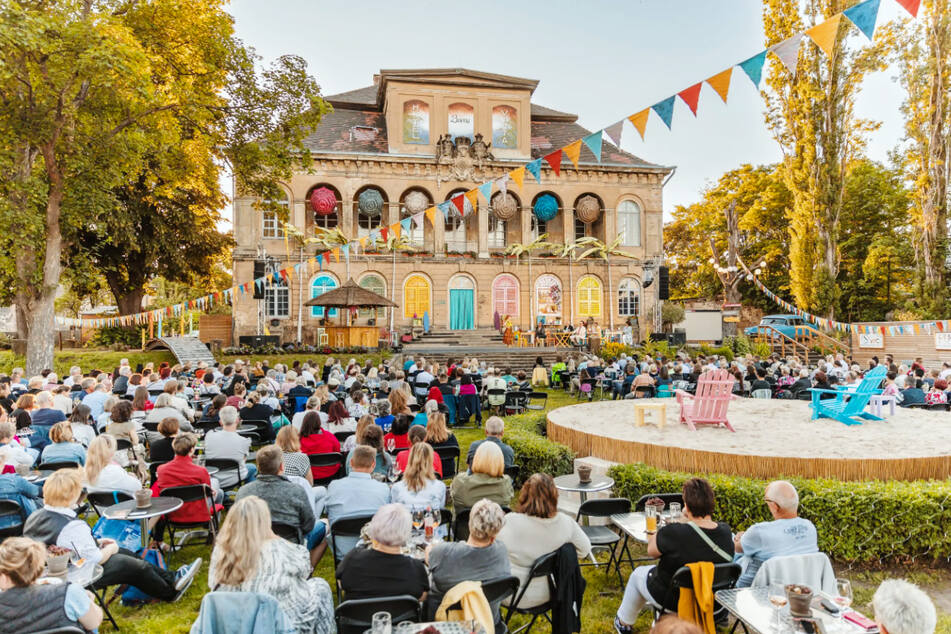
{"x":460,"y":202}
{"x":753,"y":67}
{"x":336,"y":253}
{"x":444,"y":208}
{"x":614,"y":132}
{"x":535,"y":169}
{"x":473,"y":197}
{"x":405,"y":223}
{"x":418,"y":218}
{"x":431,"y":214}
{"x":593,"y":141}
{"x":911,"y":6}
{"x":503,"y":184}
{"x":363,"y":242}
{"x":691,"y":97}
{"x":864,"y":15}
{"x":824,"y":34}
{"x":665,"y":110}
{"x":396,"y":229}
{"x":486,"y":190}
{"x":573,"y":151}
{"x":384,"y":232}
{"x":518,"y":175}
{"x":640,"y":121}
{"x":721,"y":83}
{"x":320,"y":262}
{"x":788,"y":52}
{"x":554,"y":160}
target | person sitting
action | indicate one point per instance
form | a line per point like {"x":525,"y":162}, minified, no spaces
{"x":255,"y":410}
{"x":399,"y":402}
{"x":56,"y":524}
{"x":28,"y":607}
{"x":417,"y":435}
{"x":356,"y":438}
{"x":485,"y":479}
{"x":382,"y":570}
{"x":175,"y":390}
{"x":63,"y":448}
{"x":697,"y":538}
{"x":381,"y":410}
{"x":760,"y":383}
{"x":419,"y":489}
{"x":538,"y":529}
{"x":494,"y":429}
{"x":296,"y":462}
{"x":79,"y":421}
{"x":12,"y":452}
{"x":494,"y":382}
{"x":357,"y":494}
{"x":311,"y":405}
{"x":299,"y":389}
{"x":285,"y":501}
{"x":423,"y":416}
{"x":339,"y":418}
{"x":95,"y":397}
{"x":227,"y":443}
{"x":17,"y":488}
{"x":314,"y":440}
{"x":182,"y":471}
{"x":787,"y":534}
{"x":902,"y":608}
{"x":213,"y":409}
{"x":249,"y":557}
{"x":165,"y":409}
{"x":398,"y":436}
{"x":103,"y":472}
{"x":936,"y":394}
{"x":44,"y":414}
{"x":373,"y":437}
{"x":480,"y":558}
{"x":438,"y":435}
{"x":236,"y":399}
{"x":161,"y":450}
{"x":802,"y":383}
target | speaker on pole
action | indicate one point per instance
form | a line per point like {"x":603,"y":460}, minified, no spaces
{"x":259,"y":271}
{"x":663,"y":278}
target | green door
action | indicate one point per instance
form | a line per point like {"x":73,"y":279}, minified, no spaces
{"x":461,"y":309}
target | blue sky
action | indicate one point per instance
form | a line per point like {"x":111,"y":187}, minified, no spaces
{"x":601,"y":59}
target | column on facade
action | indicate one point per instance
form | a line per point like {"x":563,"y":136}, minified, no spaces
{"x":483,"y":234}
{"x":568,"y":293}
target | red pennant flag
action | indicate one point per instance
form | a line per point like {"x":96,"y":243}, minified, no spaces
{"x":911,"y":6}
{"x":691,"y":97}
{"x":384,"y":231}
{"x":940,"y":326}
{"x":460,"y":203}
{"x":554,"y":160}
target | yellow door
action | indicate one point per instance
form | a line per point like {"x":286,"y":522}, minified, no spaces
{"x":589,"y":297}
{"x":416,"y":294}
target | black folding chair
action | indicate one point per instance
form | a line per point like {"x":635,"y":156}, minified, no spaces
{"x":153,"y":469}
{"x":537,"y":401}
{"x":11,"y":514}
{"x":543,"y":567}
{"x":603,"y":536}
{"x":192,"y":493}
{"x":292,"y":534}
{"x":263,"y":431}
{"x":356,"y":615}
{"x":56,"y":466}
{"x":515,"y":402}
{"x":512,"y":472}
{"x":327,"y":460}
{"x":349,"y":526}
{"x":205,"y":425}
{"x":450,"y":461}
{"x":106,"y":499}
{"x":460,"y":525}
{"x":225,"y":467}
{"x":497,"y":393}
{"x":342,"y":436}
{"x":725,"y":577}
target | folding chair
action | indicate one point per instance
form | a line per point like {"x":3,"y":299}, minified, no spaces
{"x":56,"y":466}
{"x":192,"y":493}
{"x":12,"y":516}
{"x":450,"y":461}
{"x":533,"y":401}
{"x":603,"y":536}
{"x":262,"y":430}
{"x":292,"y":534}
{"x":106,"y":499}
{"x":349,"y":526}
{"x":356,"y":615}
{"x":543,"y":567}
{"x":725,"y":577}
{"x":342,"y":436}
{"x":327,"y":460}
{"x":153,"y":469}
{"x":515,"y":402}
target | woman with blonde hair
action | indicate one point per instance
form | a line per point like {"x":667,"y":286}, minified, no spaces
{"x":485,"y":479}
{"x":296,"y":462}
{"x":62,"y":447}
{"x":357,"y":438}
{"x":419,"y":489}
{"x":438,"y":435}
{"x":103,"y":473}
{"x":249,"y":557}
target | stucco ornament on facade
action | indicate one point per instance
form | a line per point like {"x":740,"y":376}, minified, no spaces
{"x":462,"y":159}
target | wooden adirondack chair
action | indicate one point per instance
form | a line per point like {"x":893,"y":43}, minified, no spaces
{"x":708,"y":406}
{"x":848,"y":406}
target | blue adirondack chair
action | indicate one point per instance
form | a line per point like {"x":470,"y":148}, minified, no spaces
{"x":848,"y":406}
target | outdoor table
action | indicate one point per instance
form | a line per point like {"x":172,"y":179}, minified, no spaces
{"x":211,"y":470}
{"x":246,"y":428}
{"x":572,"y":483}
{"x":128,"y":511}
{"x":876,"y":401}
{"x":85,"y":576}
{"x":634,"y":525}
{"x":751,"y":607}
{"x":38,"y":476}
{"x":443,"y":627}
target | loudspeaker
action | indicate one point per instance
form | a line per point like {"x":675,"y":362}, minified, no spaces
{"x":256,"y":341}
{"x":260,"y":268}
{"x":663,"y":278}
{"x":658,"y":336}
{"x":678,"y":338}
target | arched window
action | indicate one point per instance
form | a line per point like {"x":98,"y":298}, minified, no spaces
{"x":582,"y":230}
{"x":371,"y":210}
{"x":415,"y":201}
{"x":416,"y":297}
{"x":629,"y":298}
{"x":629,"y":223}
{"x":375,"y":283}
{"x":505,"y":295}
{"x":505,"y":127}
{"x":416,"y":122}
{"x":277,"y":299}
{"x":589,"y":297}
{"x":328,"y":215}
{"x":320,"y":285}
{"x":455,"y":233}
{"x":548,"y":298}
{"x":272,"y":228}
{"x":539,"y":227}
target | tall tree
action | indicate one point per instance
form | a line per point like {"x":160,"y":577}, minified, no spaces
{"x":810,"y":112}
{"x":924,"y":63}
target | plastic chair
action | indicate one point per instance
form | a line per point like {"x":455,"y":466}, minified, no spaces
{"x":329,"y":459}
{"x":292,"y":534}
{"x":763,"y":393}
{"x":603,"y":536}
{"x":725,"y":577}
{"x":542,"y":567}
{"x":192,"y":493}
{"x":450,"y":461}
{"x":356,"y":615}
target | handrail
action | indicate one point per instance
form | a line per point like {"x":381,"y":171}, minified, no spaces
{"x":813,"y":333}
{"x":772,"y":336}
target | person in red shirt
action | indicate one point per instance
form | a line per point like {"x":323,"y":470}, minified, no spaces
{"x":314,"y":440}
{"x":398,"y":436}
{"x":417,"y":433}
{"x":182,"y":471}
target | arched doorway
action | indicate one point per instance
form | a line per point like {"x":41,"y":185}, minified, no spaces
{"x":548,"y":298}
{"x":461,"y":303}
{"x":505,"y":296}
{"x":416,"y":297}
{"x":320,"y":285}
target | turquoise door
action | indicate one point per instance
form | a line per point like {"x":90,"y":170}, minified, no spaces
{"x":461,"y":309}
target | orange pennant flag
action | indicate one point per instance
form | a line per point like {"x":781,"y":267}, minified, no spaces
{"x":431,"y":214}
{"x":573,"y":151}
{"x":640,"y":121}
{"x":336,"y":253}
{"x":396,"y":228}
{"x":721,"y":83}
{"x":519,"y":176}
{"x":824,"y":34}
{"x":473,"y":197}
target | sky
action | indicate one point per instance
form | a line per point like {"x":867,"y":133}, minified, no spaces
{"x":601,"y":59}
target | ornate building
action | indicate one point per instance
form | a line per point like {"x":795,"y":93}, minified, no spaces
{"x":417,"y":137}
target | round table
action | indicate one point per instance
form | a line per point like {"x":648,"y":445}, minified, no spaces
{"x":160,"y":506}
{"x":572,"y":483}
{"x":38,"y":476}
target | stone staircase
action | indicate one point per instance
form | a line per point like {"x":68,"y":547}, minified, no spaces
{"x":186,"y":349}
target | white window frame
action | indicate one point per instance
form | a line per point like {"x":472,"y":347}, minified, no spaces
{"x":629,"y":219}
{"x":628,"y":293}
{"x":277,"y":300}
{"x":271,"y":227}
{"x":456,"y":237}
{"x":496,"y":234}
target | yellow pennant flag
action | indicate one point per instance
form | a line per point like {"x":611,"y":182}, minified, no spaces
{"x":824,"y":34}
{"x":473,"y":197}
{"x":395,"y":229}
{"x":290,"y":273}
{"x":336,"y":253}
{"x":363,"y":242}
{"x":431,"y":214}
{"x":640,"y":121}
{"x":721,"y":83}
{"x":573,"y":151}
{"x":518,"y":176}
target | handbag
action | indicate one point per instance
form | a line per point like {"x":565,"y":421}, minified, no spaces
{"x":125,"y":533}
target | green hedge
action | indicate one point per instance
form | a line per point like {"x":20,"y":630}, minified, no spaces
{"x":856,"y":521}
{"x":535,"y":453}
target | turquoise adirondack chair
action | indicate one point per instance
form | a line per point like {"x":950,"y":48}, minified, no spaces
{"x":848,"y":406}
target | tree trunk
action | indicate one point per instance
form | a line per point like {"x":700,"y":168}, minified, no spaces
{"x":130,"y":302}
{"x":41,"y":337}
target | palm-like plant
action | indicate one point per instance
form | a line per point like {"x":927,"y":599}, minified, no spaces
{"x":331,"y":239}
{"x":526,"y":248}
{"x":394,"y":244}
{"x":567,"y":250}
{"x":605,"y":251}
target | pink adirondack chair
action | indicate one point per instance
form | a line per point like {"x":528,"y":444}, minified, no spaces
{"x":708,"y":406}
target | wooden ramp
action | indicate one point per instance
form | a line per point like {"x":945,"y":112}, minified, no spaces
{"x":186,"y":349}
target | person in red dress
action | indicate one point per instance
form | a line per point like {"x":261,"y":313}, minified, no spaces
{"x":314,"y":440}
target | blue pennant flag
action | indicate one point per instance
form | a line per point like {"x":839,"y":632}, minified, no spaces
{"x":276,"y":276}
{"x":444,"y":208}
{"x":753,"y":67}
{"x":593,"y":141}
{"x":864,"y":15}
{"x":406,"y":223}
{"x":259,"y":283}
{"x":535,"y":169}
{"x":486,"y":189}
{"x":665,"y":109}
{"x":320,"y":262}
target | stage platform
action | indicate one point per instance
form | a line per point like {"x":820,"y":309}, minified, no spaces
{"x":773,"y":438}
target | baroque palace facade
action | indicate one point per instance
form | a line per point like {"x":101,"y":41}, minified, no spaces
{"x":414,"y":139}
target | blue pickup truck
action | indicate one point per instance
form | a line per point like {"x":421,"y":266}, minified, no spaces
{"x":785,"y":324}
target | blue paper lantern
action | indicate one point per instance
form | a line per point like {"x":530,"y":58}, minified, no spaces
{"x":546,"y":207}
{"x":370,"y":202}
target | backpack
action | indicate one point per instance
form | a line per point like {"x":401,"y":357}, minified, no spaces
{"x":132,"y":595}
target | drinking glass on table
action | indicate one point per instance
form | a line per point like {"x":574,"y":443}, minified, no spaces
{"x":418,"y":518}
{"x":844,"y":599}
{"x":382,"y":623}
{"x":675,"y":511}
{"x":777,"y":596}
{"x":650,"y":515}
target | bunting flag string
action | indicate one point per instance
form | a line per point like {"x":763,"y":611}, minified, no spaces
{"x":863,"y":15}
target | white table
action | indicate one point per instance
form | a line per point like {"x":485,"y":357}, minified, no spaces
{"x":752,"y":608}
{"x":876,"y":401}
{"x":128,"y":511}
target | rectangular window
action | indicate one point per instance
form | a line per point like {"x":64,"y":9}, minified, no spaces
{"x":455,"y":234}
{"x":273,"y":229}
{"x":277,"y":300}
{"x":496,"y":237}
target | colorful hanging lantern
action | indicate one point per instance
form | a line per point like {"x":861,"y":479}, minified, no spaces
{"x":546,"y":207}
{"x":504,"y":206}
{"x":588,"y":209}
{"x":415,"y":202}
{"x":370,"y":203}
{"x":324,"y":201}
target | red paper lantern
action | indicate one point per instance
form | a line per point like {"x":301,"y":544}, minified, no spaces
{"x":324,"y":201}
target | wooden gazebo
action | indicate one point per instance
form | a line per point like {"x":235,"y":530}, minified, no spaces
{"x":348,"y":297}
